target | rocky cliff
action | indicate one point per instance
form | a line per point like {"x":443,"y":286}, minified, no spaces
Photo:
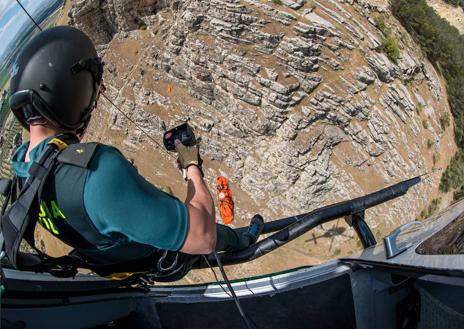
{"x":293,"y":100}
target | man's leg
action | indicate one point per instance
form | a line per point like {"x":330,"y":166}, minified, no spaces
{"x":229,"y":240}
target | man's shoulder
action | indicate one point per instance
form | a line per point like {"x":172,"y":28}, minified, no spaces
{"x":108,"y":156}
{"x":90,"y":154}
{"x":105,"y":150}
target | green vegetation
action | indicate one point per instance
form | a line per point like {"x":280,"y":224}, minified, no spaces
{"x":459,"y":194}
{"x":456,"y":3}
{"x":390,"y":47}
{"x":445,"y":121}
{"x":453,"y":177}
{"x":444,"y":47}
{"x":425,"y":124}
{"x":337,"y":252}
{"x":277,"y":2}
{"x":435,"y":158}
{"x":420,"y":108}
{"x":429,"y":144}
{"x":431,"y":209}
{"x":12,"y":136}
{"x":389,"y":44}
{"x":141,"y":24}
{"x":4,"y":77}
{"x":4,"y":110}
{"x":380,"y":23}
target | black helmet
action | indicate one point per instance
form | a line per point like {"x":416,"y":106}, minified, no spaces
{"x":56,"y":76}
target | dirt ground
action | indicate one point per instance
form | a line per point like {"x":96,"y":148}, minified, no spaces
{"x":63,"y":19}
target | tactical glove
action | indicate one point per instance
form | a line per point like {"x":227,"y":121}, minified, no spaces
{"x":188,"y":156}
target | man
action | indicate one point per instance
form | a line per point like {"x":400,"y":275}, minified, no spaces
{"x":103,"y":208}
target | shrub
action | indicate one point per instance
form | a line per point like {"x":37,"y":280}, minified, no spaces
{"x":380,"y":23}
{"x":453,"y":177}
{"x":277,"y":2}
{"x":425,"y":124}
{"x":420,"y":108}
{"x":429,"y":144}
{"x":435,"y":158}
{"x":390,"y":47}
{"x":433,"y":207}
{"x":389,"y":44}
{"x":445,"y":121}
{"x":459,"y":194}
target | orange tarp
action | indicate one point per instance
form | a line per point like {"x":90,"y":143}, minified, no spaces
{"x":225,"y":201}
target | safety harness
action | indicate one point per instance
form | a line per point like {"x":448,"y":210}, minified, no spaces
{"x":20,"y":219}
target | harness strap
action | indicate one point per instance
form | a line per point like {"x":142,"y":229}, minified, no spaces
{"x":10,"y":194}
{"x":17,"y":218}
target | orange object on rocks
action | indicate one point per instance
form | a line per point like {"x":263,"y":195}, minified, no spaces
{"x":225,"y":201}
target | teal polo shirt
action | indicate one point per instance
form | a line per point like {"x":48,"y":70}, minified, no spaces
{"x":120,"y":202}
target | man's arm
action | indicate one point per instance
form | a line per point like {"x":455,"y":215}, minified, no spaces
{"x":201,"y":235}
{"x":126,"y":207}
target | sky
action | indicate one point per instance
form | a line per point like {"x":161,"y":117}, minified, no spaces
{"x":12,"y":19}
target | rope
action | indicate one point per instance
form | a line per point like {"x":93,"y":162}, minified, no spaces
{"x":138,"y":127}
{"x":32,"y":19}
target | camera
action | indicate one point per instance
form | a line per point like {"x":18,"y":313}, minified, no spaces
{"x":184,"y":133}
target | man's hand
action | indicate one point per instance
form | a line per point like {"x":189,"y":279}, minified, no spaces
{"x":188,"y":155}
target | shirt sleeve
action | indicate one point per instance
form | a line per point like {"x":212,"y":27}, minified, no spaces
{"x":119,"y":200}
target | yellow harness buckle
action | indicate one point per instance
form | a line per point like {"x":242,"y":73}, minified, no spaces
{"x":123,"y":275}
{"x":59,"y":143}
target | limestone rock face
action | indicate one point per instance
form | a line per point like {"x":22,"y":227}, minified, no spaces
{"x":293,"y":101}
{"x":103,"y":19}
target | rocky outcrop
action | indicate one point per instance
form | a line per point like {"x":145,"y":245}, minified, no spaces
{"x":102,"y":20}
{"x":293,"y":101}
